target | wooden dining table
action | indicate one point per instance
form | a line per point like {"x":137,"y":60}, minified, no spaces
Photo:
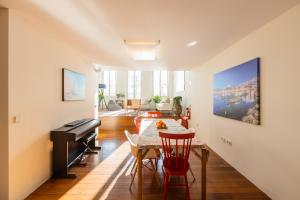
{"x":149,"y":138}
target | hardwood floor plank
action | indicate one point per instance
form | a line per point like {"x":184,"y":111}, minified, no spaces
{"x":107,"y":174}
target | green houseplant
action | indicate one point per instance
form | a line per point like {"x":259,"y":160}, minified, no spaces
{"x":120,"y":99}
{"x":120,"y":95}
{"x":156,"y":99}
{"x":177,"y":108}
{"x":101,"y":98}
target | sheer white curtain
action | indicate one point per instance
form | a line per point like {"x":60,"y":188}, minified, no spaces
{"x":156,"y":83}
{"x":134,"y":85}
{"x":160,"y":83}
{"x":109,"y":79}
{"x":164,"y":83}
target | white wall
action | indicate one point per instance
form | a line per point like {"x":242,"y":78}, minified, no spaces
{"x":268,"y":155}
{"x":35,"y":63}
{"x":4,"y":103}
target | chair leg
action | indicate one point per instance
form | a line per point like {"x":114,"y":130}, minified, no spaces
{"x":133,"y":167}
{"x":155,"y":173}
{"x":187,"y":188}
{"x":166,"y":186}
{"x":192,"y":174}
{"x":132,"y":179}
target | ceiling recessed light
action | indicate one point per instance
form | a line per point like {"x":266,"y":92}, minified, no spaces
{"x":144,"y":55}
{"x":191,"y":44}
{"x":143,"y":50}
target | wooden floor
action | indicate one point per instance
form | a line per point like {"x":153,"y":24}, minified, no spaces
{"x":107,"y":174}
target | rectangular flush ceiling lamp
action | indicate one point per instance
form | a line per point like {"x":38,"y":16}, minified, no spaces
{"x":143,"y":50}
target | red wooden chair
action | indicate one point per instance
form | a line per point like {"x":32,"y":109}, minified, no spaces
{"x":176,"y":148}
{"x":188,"y":113}
{"x":185,"y":121}
{"x":137,"y":122}
{"x":154,"y":114}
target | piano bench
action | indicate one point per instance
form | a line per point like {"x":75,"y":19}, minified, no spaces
{"x":86,"y":142}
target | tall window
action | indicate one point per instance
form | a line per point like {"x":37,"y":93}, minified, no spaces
{"x":110,"y":82}
{"x":160,"y":81}
{"x":134,"y":85}
{"x":179,"y":81}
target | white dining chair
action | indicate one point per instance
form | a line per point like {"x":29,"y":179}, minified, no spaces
{"x":153,"y":154}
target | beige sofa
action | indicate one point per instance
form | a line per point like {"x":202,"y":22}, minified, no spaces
{"x":166,"y":104}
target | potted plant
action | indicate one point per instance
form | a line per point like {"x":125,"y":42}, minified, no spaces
{"x":120,"y":99}
{"x":177,"y":108}
{"x":156,"y":99}
{"x":101,"y":99}
{"x":120,"y":95}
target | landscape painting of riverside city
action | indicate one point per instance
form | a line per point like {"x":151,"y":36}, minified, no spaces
{"x":236,"y":93}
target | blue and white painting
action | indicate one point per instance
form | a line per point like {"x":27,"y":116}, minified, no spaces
{"x":73,"y":86}
{"x":236,"y":93}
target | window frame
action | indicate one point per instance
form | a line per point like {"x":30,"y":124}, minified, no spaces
{"x":111,"y":87}
{"x":161,"y":82}
{"x":136,"y":84}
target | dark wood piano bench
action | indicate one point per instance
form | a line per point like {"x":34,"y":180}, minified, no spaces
{"x":86,"y":142}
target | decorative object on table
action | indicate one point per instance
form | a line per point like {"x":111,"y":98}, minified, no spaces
{"x":236,"y":93}
{"x":102,"y":101}
{"x":120,"y":99}
{"x":73,"y":85}
{"x":177,"y":108}
{"x":161,"y":125}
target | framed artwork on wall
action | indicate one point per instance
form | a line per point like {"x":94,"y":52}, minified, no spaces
{"x":73,"y":85}
{"x":237,"y":92}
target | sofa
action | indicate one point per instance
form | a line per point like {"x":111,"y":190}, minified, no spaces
{"x":148,"y":105}
{"x":166,"y":104}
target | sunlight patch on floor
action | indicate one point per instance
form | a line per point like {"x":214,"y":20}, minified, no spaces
{"x":105,"y":175}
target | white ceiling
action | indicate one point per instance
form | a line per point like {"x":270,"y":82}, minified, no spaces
{"x":98,"y":27}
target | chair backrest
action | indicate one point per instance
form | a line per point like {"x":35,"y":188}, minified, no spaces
{"x":129,"y":102}
{"x":185,"y":121}
{"x":137,"y":122}
{"x":176,"y":148}
{"x":188,"y":113}
{"x":132,"y":139}
{"x":154,"y":114}
{"x":134,"y":103}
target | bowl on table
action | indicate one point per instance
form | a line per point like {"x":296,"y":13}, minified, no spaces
{"x":161,"y":125}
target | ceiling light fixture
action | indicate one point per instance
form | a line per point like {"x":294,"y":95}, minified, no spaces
{"x":97,"y":67}
{"x":192,"y":43}
{"x":143,"y":50}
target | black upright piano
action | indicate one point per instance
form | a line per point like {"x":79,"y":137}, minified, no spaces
{"x":70,"y":143}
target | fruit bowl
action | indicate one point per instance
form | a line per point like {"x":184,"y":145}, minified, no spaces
{"x":161,"y":125}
